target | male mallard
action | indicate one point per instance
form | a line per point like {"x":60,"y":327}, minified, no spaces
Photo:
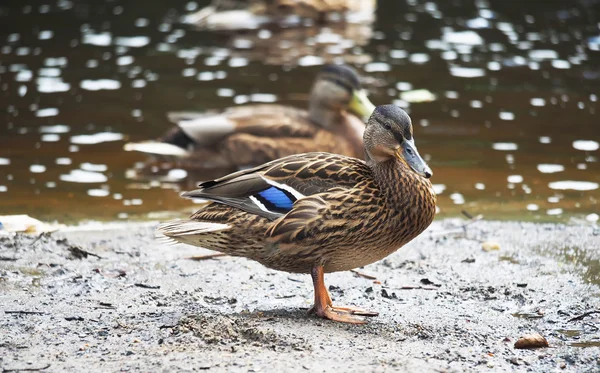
{"x":320,"y":212}
{"x":249,"y":135}
{"x":251,"y":14}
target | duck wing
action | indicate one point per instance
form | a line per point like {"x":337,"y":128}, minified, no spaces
{"x":272,"y":190}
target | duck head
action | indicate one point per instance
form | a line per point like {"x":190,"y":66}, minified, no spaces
{"x":389,"y":135}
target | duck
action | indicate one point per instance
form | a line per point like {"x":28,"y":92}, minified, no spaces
{"x":318,"y":212}
{"x":248,"y":135}
{"x":230,"y":15}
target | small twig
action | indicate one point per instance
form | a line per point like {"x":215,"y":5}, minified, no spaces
{"x":465,"y":213}
{"x":8,"y":259}
{"x":206,"y":257}
{"x":25,"y":312}
{"x":43,"y":234}
{"x":6,"y":370}
{"x":583,"y":315}
{"x":146,"y":286}
{"x":363,"y":275}
{"x":79,"y":253}
{"x":414,"y":287}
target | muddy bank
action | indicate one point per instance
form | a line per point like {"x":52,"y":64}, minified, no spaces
{"x":117,"y":300}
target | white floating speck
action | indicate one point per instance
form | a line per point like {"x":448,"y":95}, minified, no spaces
{"x":419,"y":58}
{"x":538,"y":101}
{"x":586,"y":145}
{"x":480,"y":186}
{"x":439,"y":188}
{"x":4,"y":161}
{"x":37,"y":168}
{"x":142,"y":22}
{"x":3,"y":188}
{"x":45,"y":34}
{"x":138,"y":83}
{"x":56,"y":61}
{"x":463,"y":37}
{"x":515,"y":179}
{"x":24,"y":76}
{"x":96,"y":138}
{"x":505,"y":146}
{"x":50,"y":137}
{"x":93,"y":167}
{"x":532,"y":207}
{"x":476,"y":104}
{"x":63,"y":161}
{"x":98,"y":193}
{"x":398,"y":54}
{"x":377,"y":67}
{"x":550,"y":168}
{"x":561,"y":64}
{"x":494,"y":66}
{"x":404,"y":86}
{"x":507,"y":115}
{"x":478,"y":22}
{"x":466,"y":72}
{"x":573,"y":185}
{"x":206,"y":76}
{"x":238,"y":62}
{"x":225,"y":92}
{"x":263,"y":97}
{"x":134,"y":41}
{"x":593,"y":217}
{"x":177,"y":174}
{"x":50,"y":85}
{"x":51,"y":72}
{"x":80,"y":176}
{"x":418,"y":95}
{"x":557,"y":211}
{"x":545,"y":139}
{"x":103,"y":39}
{"x":543,"y":54}
{"x":96,"y":85}
{"x":310,"y":61}
{"x":457,"y":198}
{"x":47,"y":112}
{"x":125,"y":60}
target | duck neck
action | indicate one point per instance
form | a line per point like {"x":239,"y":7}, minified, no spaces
{"x":409,"y":197}
{"x":324,"y":116}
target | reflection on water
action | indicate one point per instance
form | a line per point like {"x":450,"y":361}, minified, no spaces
{"x":504,"y":98}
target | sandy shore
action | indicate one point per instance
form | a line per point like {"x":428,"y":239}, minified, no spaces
{"x":445,"y":305}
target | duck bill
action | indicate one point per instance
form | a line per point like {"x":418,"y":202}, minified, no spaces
{"x":408,"y":153}
{"x":361,"y":105}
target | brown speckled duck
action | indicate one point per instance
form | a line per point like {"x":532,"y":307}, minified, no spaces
{"x":250,"y":135}
{"x":319,"y":212}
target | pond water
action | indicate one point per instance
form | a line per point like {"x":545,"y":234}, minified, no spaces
{"x":509,"y":122}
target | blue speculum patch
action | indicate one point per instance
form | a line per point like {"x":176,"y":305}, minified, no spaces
{"x":277,"y":198}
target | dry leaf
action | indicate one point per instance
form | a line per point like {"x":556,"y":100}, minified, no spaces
{"x":490,"y":246}
{"x":531,"y":341}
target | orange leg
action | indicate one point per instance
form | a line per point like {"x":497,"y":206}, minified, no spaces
{"x":324,"y":308}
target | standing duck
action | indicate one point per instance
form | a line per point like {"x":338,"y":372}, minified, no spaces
{"x":319,"y":212}
{"x":249,"y":135}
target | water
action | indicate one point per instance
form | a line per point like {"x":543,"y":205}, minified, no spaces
{"x":503,"y":95}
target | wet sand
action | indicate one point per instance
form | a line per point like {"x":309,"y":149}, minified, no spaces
{"x":445,"y":305}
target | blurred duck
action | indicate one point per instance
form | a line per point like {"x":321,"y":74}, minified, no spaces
{"x":318,"y":212}
{"x":249,"y":135}
{"x":252,"y":14}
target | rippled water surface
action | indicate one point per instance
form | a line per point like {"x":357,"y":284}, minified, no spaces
{"x":503,"y":95}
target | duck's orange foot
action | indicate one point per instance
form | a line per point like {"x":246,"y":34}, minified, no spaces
{"x":343,"y":314}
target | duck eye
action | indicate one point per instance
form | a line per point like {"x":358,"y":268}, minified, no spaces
{"x":386,"y":126}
